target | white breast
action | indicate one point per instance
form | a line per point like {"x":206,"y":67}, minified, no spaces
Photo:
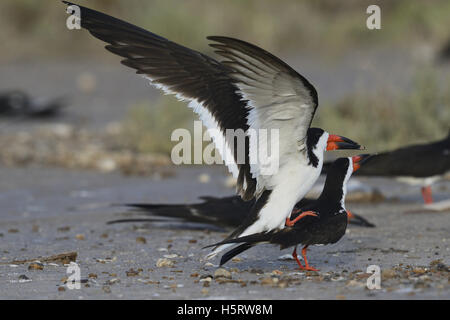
{"x":292,"y":183}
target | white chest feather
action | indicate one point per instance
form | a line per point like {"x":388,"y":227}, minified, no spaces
{"x":292,"y":183}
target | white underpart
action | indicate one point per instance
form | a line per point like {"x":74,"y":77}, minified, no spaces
{"x":293,"y":181}
{"x":344,"y":184}
{"x":209,"y":122}
{"x":422,"y":182}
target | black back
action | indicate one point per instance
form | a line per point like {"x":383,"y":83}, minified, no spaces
{"x":420,"y":161}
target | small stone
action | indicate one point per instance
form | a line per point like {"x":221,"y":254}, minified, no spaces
{"x":141,"y":240}
{"x":24,"y":278}
{"x":206,"y":279}
{"x":61,"y":289}
{"x":13,"y":230}
{"x":132,"y":273}
{"x":164,"y":262}
{"x":80,"y":237}
{"x":209,"y":264}
{"x":204,"y":178}
{"x":236,"y":259}
{"x":205,"y":291}
{"x":112,"y":281}
{"x":388,"y":274}
{"x":92,"y":276}
{"x":36,"y":266}
{"x":222,"y":273}
{"x":419,"y":270}
{"x":106,"y":289}
{"x":277,"y":272}
{"x":269,"y":281}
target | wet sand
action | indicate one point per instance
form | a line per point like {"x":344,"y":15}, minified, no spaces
{"x":52,"y":211}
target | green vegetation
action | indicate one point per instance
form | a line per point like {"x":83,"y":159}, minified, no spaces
{"x":380,"y":120}
{"x":388,"y":119}
{"x":147,"y":129}
{"x":327,"y":26}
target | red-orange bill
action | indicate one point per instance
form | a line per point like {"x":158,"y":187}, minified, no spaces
{"x":336,"y":142}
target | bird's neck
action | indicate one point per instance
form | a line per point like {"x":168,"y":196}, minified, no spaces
{"x":334,"y":191}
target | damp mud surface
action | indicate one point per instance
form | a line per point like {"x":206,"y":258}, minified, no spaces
{"x":51,"y":217}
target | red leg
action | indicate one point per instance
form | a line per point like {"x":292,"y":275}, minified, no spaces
{"x":294,"y":254}
{"x":290,"y":222}
{"x":307,"y":266}
{"x":426,"y":194}
{"x":350,"y":215}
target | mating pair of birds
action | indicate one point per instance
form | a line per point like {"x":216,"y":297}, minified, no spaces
{"x":250,"y":89}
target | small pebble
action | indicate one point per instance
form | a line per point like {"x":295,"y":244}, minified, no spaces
{"x":80,"y":237}
{"x":36,"y":266}
{"x":141,"y":240}
{"x":164,"y":262}
{"x":222,"y":273}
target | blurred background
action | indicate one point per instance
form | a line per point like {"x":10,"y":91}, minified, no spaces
{"x":383,"y":88}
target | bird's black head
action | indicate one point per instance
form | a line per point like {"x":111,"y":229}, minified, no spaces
{"x":318,"y":140}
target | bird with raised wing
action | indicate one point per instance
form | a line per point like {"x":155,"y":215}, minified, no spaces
{"x":249,"y":90}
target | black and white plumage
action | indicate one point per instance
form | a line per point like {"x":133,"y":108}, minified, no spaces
{"x":322,"y":221}
{"x":249,"y":90}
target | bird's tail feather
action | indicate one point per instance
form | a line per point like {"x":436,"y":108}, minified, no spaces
{"x":229,"y":242}
{"x":235,"y":251}
{"x":252,"y":238}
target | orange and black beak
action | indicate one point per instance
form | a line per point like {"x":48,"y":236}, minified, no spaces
{"x":336,"y":142}
{"x":359,"y":160}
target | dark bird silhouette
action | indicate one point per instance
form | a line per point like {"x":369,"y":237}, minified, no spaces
{"x":224,"y":212}
{"x":417,"y":165}
{"x":323,"y":221}
{"x":17,"y":103}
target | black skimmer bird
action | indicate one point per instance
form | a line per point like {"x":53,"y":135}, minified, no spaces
{"x":417,"y":165}
{"x":322,"y":221}
{"x":249,"y":90}
{"x":223,"y":212}
{"x":19,"y":104}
